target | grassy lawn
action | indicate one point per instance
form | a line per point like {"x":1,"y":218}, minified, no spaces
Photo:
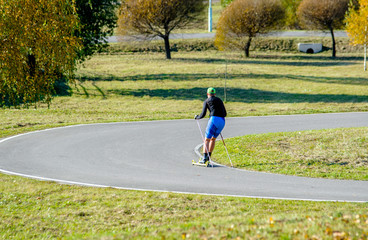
{"x":336,"y":154}
{"x":132,"y":87}
{"x":41,"y":210}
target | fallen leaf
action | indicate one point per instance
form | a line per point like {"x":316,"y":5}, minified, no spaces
{"x":328,"y":231}
{"x":271,"y":222}
{"x":339,"y":235}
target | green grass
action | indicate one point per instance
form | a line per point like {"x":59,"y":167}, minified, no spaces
{"x":31,"y":209}
{"x":132,"y":87}
{"x":336,"y":154}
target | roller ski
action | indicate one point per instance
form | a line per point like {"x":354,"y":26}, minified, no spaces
{"x":201,"y":162}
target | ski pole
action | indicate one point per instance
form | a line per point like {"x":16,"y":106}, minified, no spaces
{"x":204,"y":142}
{"x":226,"y":150}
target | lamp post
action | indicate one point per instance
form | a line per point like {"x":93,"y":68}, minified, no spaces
{"x":210,"y":16}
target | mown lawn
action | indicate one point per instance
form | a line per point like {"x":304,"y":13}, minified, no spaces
{"x":31,"y":209}
{"x":131,"y":87}
{"x":334,"y":153}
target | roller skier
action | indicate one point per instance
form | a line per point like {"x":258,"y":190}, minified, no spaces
{"x":215,"y":124}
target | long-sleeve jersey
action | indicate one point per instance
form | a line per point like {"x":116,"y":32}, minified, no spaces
{"x":215,"y":106}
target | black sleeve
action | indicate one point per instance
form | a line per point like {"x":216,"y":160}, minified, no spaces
{"x":204,"y":111}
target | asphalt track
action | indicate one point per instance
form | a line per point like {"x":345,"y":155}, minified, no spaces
{"x":157,"y":156}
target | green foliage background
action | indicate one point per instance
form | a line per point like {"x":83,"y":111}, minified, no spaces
{"x":98,"y":19}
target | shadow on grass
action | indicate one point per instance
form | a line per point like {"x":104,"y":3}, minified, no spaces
{"x":200,"y":76}
{"x":317,"y":61}
{"x":311,"y":57}
{"x":244,"y":95}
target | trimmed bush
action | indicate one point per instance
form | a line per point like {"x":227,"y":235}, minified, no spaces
{"x":259,"y":44}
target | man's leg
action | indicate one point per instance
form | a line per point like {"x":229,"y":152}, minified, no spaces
{"x":209,"y":143}
{"x":219,"y":124}
{"x":212,"y":145}
{"x":206,"y":147}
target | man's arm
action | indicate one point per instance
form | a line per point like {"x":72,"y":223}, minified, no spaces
{"x":204,"y":111}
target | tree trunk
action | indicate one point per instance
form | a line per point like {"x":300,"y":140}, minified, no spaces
{"x":167,"y":47}
{"x":31,"y":62}
{"x":247,"y":47}
{"x":333,"y":42}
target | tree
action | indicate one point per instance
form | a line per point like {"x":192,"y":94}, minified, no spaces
{"x":98,"y":19}
{"x":324,"y":15}
{"x":291,"y":19}
{"x":357,"y":22}
{"x":290,"y":6}
{"x":357,"y":25}
{"x":159,"y":18}
{"x":224,"y":3}
{"x":36,"y":46}
{"x":243,"y":20}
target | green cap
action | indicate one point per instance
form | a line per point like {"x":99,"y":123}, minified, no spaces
{"x":211,"y":91}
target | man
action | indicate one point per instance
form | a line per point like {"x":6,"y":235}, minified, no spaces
{"x":215,"y":124}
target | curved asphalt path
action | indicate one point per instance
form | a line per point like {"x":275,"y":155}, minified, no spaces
{"x":157,"y":156}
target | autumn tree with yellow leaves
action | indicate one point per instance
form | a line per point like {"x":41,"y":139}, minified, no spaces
{"x":243,"y":20}
{"x":37,"y":46}
{"x":158,"y":18}
{"x":357,"y":26}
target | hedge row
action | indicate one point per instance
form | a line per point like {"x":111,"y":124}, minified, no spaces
{"x":258,"y":44}
{"x":158,"y":46}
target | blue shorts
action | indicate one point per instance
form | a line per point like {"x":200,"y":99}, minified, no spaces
{"x":215,"y":126}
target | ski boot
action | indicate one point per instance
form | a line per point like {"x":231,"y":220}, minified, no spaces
{"x":204,"y":161}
